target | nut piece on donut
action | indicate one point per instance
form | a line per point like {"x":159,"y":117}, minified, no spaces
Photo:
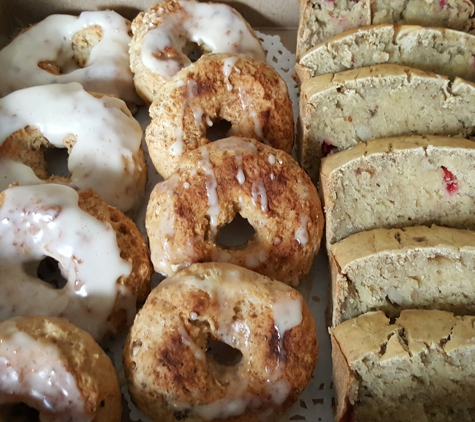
{"x":55,"y":370}
{"x":172,"y":356}
{"x":101,"y":254}
{"x":166,"y":34}
{"x":103,"y":141}
{"x":91,"y":49}
{"x":249,"y":94}
{"x":228,"y":177}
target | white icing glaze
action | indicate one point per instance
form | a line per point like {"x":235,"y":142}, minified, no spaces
{"x":177,"y":147}
{"x":187,"y":341}
{"x":259,"y":195}
{"x":228,"y":66}
{"x":253,"y":260}
{"x":45,"y":220}
{"x":211,"y":190}
{"x":108,"y":139}
{"x":287,"y":311}
{"x":241,"y":178}
{"x":193,"y":102}
{"x":301,"y":234}
{"x":228,"y":33}
{"x":14,"y":172}
{"x":258,"y":130}
{"x":107,"y":69}
{"x":271,"y":159}
{"x":246,"y":105}
{"x":34,"y":370}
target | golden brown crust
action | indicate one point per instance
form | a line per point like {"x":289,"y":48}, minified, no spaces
{"x":165,"y":354}
{"x":257,"y":105}
{"x":83,"y":358}
{"x":345,"y":384}
{"x":262,"y":184}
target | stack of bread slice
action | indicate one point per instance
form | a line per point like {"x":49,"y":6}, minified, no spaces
{"x":386,"y":128}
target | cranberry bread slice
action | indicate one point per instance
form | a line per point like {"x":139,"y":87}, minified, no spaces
{"x":394,"y":269}
{"x":439,"y":50}
{"x":339,"y":110}
{"x":416,"y":368}
{"x":321,"y":20}
{"x":399,"y":182}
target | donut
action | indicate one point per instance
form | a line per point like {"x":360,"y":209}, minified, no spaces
{"x":234,"y":176}
{"x":248,"y":94}
{"x":173,"y":375}
{"x":91,"y":49}
{"x":102,"y":138}
{"x":51,"y":370}
{"x":100,"y":253}
{"x":163,"y":37}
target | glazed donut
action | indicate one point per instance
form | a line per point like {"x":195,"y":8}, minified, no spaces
{"x":51,"y":368}
{"x":171,"y":376}
{"x":163,"y":34}
{"x":229,"y":177}
{"x":100,"y":252}
{"x":91,"y":49}
{"x":247,"y":93}
{"x":102,"y":138}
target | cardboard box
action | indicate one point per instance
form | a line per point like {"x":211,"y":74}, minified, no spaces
{"x":272,"y":17}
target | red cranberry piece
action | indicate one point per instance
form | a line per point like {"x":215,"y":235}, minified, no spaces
{"x":327,"y":148}
{"x":450,"y":180}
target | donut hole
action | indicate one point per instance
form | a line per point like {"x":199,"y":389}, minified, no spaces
{"x":47,"y":270}
{"x":219,"y":130}
{"x":20,"y":412}
{"x":193,"y":51}
{"x":56,"y":160}
{"x":222,"y":353}
{"x":235,"y":234}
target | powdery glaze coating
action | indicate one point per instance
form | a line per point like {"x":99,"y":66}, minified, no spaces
{"x":170,"y":374}
{"x":57,"y":369}
{"x":50,"y":52}
{"x":438,"y":50}
{"x":162,"y":36}
{"x":321,"y":20}
{"x":102,"y":138}
{"x":245,"y":92}
{"x":105,"y":278}
{"x":339,"y":110}
{"x":418,"y":367}
{"x":230,"y":176}
{"x":398,"y":182}
{"x":394,"y":269}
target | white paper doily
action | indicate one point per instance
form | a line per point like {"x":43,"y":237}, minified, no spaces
{"x":315,"y":404}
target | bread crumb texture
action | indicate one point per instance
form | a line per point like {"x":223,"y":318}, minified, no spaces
{"x":416,"y":368}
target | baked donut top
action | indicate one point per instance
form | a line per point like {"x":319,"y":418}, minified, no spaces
{"x":46,"y":220}
{"x":217,"y":28}
{"x":58,"y":369}
{"x":102,"y":138}
{"x":45,"y":54}
{"x":215,"y":182}
{"x":33,"y":369}
{"x":267,"y":321}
